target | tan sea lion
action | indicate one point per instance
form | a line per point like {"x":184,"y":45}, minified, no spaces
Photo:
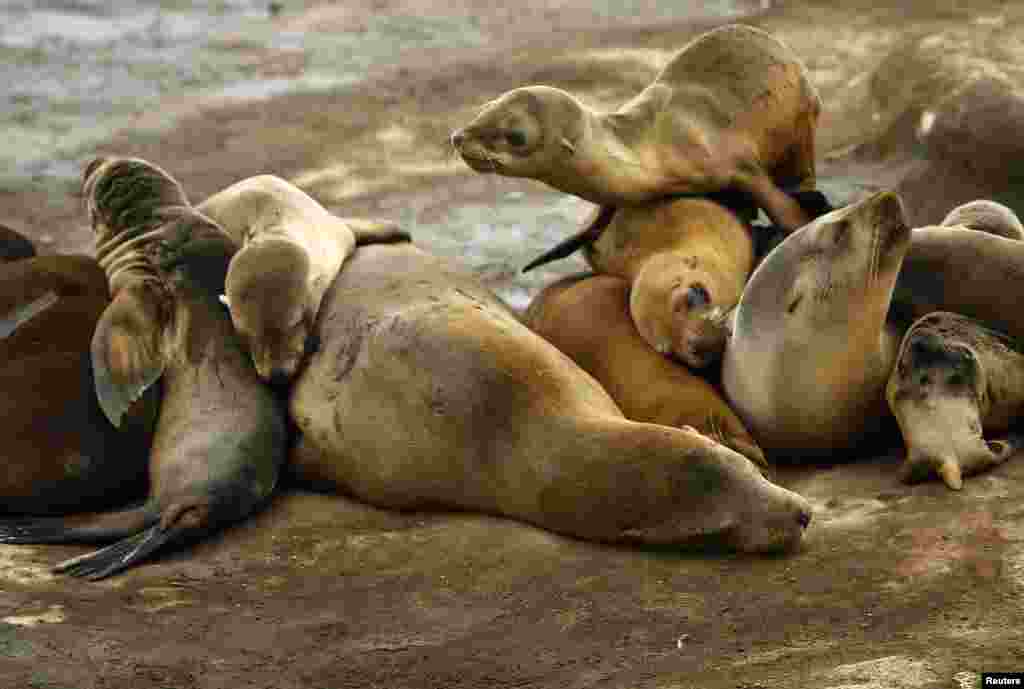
{"x":60,"y":453}
{"x":292,"y":248}
{"x":220,"y":437}
{"x":14,"y":246}
{"x":587,"y":318}
{"x":986,"y":216}
{"x":954,"y":382}
{"x":687,"y":261}
{"x":735,"y":108}
{"x":427,"y":391}
{"x":817,"y":329}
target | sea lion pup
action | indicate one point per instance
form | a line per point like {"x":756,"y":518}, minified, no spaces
{"x":14,"y":246}
{"x":986,"y":216}
{"x":687,"y":261}
{"x":427,"y":391}
{"x":587,"y":318}
{"x":735,"y":108}
{"x":816,"y":332}
{"x":220,"y":437}
{"x":955,"y":379}
{"x":291,"y":250}
{"x":60,"y":453}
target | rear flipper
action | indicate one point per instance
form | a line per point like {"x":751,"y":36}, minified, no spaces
{"x":100,"y":528}
{"x":119,"y":556}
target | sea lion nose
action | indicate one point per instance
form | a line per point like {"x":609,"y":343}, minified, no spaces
{"x":458,"y":136}
{"x":803,"y":518}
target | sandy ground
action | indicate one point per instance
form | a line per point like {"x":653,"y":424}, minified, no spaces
{"x":895,"y":586}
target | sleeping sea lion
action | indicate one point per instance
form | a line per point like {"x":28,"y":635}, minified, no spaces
{"x":735,"y":108}
{"x":220,"y":436}
{"x":587,"y":318}
{"x":60,"y":452}
{"x":956,"y":381}
{"x":427,"y":391}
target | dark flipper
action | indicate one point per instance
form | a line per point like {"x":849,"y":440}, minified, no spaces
{"x":101,"y":528}
{"x":588,"y":235}
{"x":376,"y":231}
{"x":14,"y":246}
{"x":119,"y":556}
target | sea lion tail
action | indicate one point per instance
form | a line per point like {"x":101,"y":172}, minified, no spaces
{"x":119,"y":556}
{"x":97,"y":528}
{"x":588,"y":235}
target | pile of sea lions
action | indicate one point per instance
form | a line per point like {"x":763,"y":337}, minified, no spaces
{"x":208,"y":350}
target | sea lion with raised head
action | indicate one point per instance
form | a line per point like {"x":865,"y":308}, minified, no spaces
{"x":219,"y":440}
{"x":60,"y":452}
{"x":427,"y":391}
{"x":735,"y":108}
{"x":817,"y":329}
{"x":291,"y":249}
{"x":955,"y":382}
{"x":587,"y":318}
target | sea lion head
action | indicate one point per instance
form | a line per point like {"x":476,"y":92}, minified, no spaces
{"x":938,"y":392}
{"x":986,"y":216}
{"x":676,"y":306}
{"x":807,"y":354}
{"x":266,"y":292}
{"x":723,"y":501}
{"x":526,"y":132}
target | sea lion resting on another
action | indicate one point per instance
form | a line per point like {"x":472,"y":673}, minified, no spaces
{"x":687,"y":261}
{"x":817,"y":330}
{"x":60,"y":453}
{"x":291,"y":249}
{"x":220,"y":437}
{"x":954,"y":380}
{"x":587,"y":318}
{"x":427,"y":391}
{"x":735,"y":108}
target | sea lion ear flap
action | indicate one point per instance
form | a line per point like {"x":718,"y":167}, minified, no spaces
{"x":127,"y":351}
{"x":568,"y":146}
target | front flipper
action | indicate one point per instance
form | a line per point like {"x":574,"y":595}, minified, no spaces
{"x":23,"y":314}
{"x":114,"y":558}
{"x":784,"y":210}
{"x":588,"y":235}
{"x":375,"y":231}
{"x":127,"y":348}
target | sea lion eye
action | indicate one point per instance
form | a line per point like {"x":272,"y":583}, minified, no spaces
{"x":516,"y":138}
{"x":697,"y":296}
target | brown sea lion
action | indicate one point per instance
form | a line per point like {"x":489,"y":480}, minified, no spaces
{"x":60,"y":452}
{"x":954,"y":382}
{"x":817,"y":330}
{"x":14,"y":246}
{"x":427,"y":391}
{"x":220,"y":437}
{"x":587,"y":318}
{"x":986,"y":216}
{"x":735,"y":108}
{"x":687,"y":261}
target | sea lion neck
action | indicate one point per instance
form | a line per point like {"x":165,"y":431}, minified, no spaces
{"x":177,"y":244}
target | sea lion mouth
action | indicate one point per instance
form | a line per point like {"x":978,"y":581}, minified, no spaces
{"x":480,"y":162}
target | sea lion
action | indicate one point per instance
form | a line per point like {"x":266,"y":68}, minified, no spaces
{"x":220,"y":436}
{"x":687,"y":261}
{"x":954,"y":380}
{"x":291,"y":250}
{"x":647,"y":387}
{"x":986,"y":216}
{"x":735,"y":108}
{"x":817,"y":329}
{"x":427,"y":391}
{"x":60,"y":453}
{"x":14,"y":246}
